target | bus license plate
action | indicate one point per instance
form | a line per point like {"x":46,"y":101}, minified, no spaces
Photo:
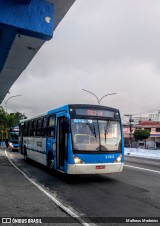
{"x":100,"y":167}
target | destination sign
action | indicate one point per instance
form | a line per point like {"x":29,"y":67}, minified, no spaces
{"x":95,"y":112}
{"x":14,"y":129}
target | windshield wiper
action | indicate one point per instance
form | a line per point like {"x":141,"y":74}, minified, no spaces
{"x":91,"y":127}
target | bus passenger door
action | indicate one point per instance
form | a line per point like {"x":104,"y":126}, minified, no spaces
{"x":61,"y":143}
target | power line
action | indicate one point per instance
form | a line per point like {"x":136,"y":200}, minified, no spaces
{"x":146,"y":112}
{"x":124,"y":120}
{"x":20,"y":112}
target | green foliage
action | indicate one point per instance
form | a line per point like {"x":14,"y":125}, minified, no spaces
{"x":3,"y":118}
{"x":8,"y":120}
{"x":141,"y":134}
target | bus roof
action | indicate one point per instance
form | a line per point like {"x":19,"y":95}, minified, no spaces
{"x":68,"y":106}
{"x":92,"y":106}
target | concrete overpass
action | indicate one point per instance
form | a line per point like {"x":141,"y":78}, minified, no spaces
{"x":25,"y":25}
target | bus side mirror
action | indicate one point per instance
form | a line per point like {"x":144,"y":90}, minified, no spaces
{"x":66,"y":125}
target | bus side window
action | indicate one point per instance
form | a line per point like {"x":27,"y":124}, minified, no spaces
{"x":30,"y":128}
{"x":44,"y":126}
{"x":39,"y":127}
{"x":26,"y":129}
{"x":34,"y":127}
{"x":51,"y":126}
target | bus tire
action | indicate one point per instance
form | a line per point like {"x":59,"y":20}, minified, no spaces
{"x":50,"y":163}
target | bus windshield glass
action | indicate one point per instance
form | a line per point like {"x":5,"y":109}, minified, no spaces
{"x":96,"y":135}
{"x":13,"y":135}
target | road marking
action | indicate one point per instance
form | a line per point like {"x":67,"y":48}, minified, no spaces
{"x":154,"y":163}
{"x":59,"y":204}
{"x":142,"y":168}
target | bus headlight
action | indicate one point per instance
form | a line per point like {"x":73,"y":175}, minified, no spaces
{"x":78,"y":160}
{"x":11,"y":145}
{"x":119,"y":159}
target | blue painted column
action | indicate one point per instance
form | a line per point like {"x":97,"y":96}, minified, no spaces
{"x":34,"y":18}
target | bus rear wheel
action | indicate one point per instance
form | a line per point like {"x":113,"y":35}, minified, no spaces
{"x":50,"y":163}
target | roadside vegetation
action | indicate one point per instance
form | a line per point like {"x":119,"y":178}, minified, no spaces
{"x":8,"y":120}
{"x":141,"y":134}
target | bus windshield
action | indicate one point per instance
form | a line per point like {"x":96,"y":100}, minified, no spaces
{"x":14,"y":135}
{"x":96,"y":135}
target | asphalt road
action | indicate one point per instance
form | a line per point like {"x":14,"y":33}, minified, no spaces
{"x":133,"y":193}
{"x":21,"y":201}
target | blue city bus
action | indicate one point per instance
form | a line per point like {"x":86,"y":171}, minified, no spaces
{"x":75,"y":139}
{"x":13,"y":138}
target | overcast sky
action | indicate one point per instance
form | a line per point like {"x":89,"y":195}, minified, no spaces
{"x":104,"y":46}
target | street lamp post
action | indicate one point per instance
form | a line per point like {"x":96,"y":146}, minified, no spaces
{"x":130,"y":128}
{"x":9,"y":99}
{"x":98,"y":99}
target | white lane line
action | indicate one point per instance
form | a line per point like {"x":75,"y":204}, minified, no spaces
{"x":154,"y":163}
{"x":154,"y":171}
{"x":64,"y":208}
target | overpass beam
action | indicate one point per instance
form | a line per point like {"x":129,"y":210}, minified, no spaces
{"x":7,"y":37}
{"x":23,"y":1}
{"x":34,"y":19}
{"x":25,"y":25}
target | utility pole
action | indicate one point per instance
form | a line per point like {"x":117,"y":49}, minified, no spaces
{"x":130,"y":128}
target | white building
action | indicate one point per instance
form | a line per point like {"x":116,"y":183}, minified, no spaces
{"x":155,"y":116}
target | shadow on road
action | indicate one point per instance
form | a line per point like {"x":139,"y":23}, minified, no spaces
{"x":74,"y":179}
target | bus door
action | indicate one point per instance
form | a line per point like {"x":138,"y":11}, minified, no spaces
{"x":62,"y":143}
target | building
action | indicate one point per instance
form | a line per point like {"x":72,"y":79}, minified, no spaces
{"x":155,"y":116}
{"x":152,"y":142}
{"x":137,"y":119}
{"x":154,"y":128}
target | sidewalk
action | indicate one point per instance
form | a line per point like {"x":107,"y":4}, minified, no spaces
{"x":20,"y":198}
{"x":143,"y":153}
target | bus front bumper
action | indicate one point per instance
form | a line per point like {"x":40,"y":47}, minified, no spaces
{"x":95,"y":168}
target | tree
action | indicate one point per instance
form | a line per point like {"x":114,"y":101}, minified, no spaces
{"x":3,"y":124}
{"x":8,"y":120}
{"x":141,"y":134}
